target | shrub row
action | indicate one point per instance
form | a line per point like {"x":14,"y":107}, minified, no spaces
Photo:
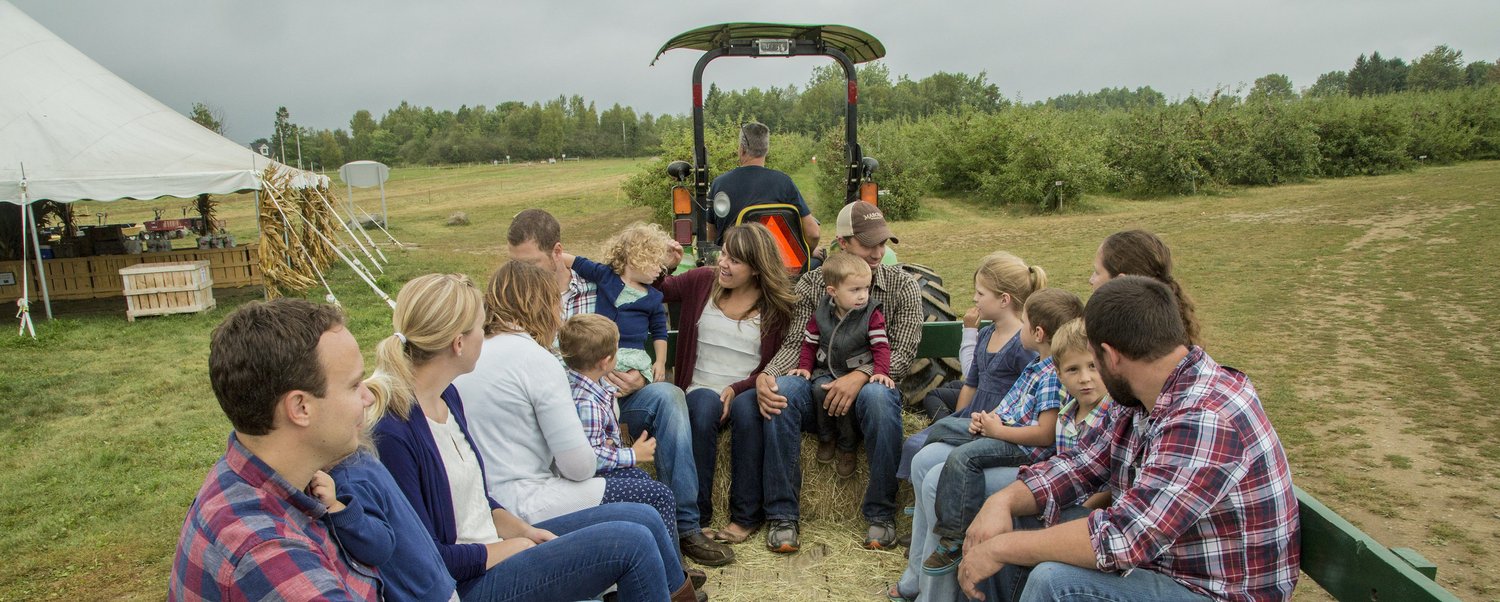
{"x":1038,"y":156}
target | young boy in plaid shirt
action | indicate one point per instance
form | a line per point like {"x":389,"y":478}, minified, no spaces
{"x":587,"y":343}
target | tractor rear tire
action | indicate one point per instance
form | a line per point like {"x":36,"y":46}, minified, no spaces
{"x":926,"y":374}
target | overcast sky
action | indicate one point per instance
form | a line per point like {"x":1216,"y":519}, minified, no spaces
{"x":324,"y":60}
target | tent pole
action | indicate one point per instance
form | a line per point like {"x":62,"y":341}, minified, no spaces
{"x":385,"y":216}
{"x":37,"y":247}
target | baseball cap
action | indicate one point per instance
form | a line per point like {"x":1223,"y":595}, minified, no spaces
{"x":865,"y":223}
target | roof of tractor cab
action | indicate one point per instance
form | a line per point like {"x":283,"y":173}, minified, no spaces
{"x":857,"y":45}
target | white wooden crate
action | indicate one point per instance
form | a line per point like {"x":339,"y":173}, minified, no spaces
{"x":154,"y":289}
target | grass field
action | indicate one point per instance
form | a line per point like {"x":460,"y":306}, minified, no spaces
{"x":1363,"y":309}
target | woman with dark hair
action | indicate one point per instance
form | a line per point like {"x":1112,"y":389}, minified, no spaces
{"x":1141,"y":253}
{"x":734,"y":316}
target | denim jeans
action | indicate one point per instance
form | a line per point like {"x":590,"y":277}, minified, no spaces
{"x":1058,"y":582}
{"x":877,"y":412}
{"x":595,"y":548}
{"x":661,"y":409}
{"x":927,"y":470}
{"x":960,"y":491}
{"x":704,"y":409}
{"x":838,"y":429}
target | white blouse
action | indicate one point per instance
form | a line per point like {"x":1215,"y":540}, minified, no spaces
{"x":728,"y":349}
{"x":471,"y":511}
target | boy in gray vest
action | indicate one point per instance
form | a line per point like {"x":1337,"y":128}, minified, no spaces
{"x":845,"y":332}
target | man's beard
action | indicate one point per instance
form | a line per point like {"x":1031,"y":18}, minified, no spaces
{"x":1118,"y":387}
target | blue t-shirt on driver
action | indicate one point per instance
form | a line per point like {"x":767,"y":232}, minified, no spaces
{"x":750,"y":185}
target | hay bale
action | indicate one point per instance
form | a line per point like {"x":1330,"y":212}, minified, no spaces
{"x":832,"y":564}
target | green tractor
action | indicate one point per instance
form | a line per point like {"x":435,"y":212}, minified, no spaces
{"x":693,"y":210}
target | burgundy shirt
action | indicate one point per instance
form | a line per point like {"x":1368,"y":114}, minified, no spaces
{"x":692,"y":289}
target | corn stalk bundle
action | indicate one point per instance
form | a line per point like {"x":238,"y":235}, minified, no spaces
{"x":291,"y":253}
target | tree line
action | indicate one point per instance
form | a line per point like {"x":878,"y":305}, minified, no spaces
{"x":575,"y":127}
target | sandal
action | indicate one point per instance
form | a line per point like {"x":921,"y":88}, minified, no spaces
{"x":725,"y":535}
{"x":893,"y":594}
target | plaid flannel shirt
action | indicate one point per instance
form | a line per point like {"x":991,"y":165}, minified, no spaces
{"x":900,"y":298}
{"x":1070,"y":428}
{"x":250,"y":535}
{"x":579,"y":297}
{"x":596,"y":409}
{"x":1037,"y":390}
{"x":1202,"y":490}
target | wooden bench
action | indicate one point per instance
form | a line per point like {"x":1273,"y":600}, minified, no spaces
{"x":1343,"y":560}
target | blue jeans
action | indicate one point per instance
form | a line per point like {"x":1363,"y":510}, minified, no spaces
{"x":961,"y":489}
{"x":1058,"y":582}
{"x":927,"y":470}
{"x":877,"y":412}
{"x":704,"y":409}
{"x":661,"y":409}
{"x":595,"y":548}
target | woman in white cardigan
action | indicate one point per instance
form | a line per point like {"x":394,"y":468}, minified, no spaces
{"x":538,"y":463}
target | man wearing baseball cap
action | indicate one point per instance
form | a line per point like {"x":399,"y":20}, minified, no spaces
{"x":786,"y":402}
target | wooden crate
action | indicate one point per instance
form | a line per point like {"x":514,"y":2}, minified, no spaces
{"x":153,"y":289}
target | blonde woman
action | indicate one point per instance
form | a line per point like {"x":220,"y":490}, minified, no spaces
{"x":423,"y":438}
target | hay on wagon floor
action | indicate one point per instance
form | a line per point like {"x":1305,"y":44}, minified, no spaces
{"x":832,"y":564}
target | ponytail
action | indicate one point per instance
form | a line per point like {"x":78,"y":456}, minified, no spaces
{"x":1038,"y":277}
{"x":392,"y":381}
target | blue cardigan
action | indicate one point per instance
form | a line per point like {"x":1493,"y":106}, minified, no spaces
{"x":408,"y":450}
{"x":379,"y":527}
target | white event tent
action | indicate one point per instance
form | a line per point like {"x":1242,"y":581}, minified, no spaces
{"x":70,"y":130}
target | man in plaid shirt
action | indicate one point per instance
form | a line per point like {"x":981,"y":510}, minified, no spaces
{"x":291,"y":380}
{"x":784,"y":402}
{"x":1203,"y":506}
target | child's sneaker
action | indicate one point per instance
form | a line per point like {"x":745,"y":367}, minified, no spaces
{"x":825,"y":452}
{"x":944,"y":558}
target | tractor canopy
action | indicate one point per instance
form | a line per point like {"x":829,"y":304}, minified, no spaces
{"x":859,"y":46}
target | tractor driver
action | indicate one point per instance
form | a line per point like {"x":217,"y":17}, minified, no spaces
{"x":752,"y":183}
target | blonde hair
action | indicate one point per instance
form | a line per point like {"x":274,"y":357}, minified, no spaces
{"x":640,"y":245}
{"x":586,"y":339}
{"x":1071,"y":337}
{"x":842,"y":266}
{"x":523,"y":298}
{"x":431,"y":311}
{"x":753,"y":245}
{"x":1003,"y":273}
{"x":1050,"y":308}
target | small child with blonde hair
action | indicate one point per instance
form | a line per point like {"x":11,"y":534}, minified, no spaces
{"x":633,"y":259}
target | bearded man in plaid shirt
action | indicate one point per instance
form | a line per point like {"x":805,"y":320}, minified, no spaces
{"x":1203,"y":507}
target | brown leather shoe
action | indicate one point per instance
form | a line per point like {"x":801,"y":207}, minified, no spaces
{"x":705,"y":551}
{"x":846,"y":464}
{"x":696,"y":576}
{"x":686,"y":593}
{"x":825,"y":451}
